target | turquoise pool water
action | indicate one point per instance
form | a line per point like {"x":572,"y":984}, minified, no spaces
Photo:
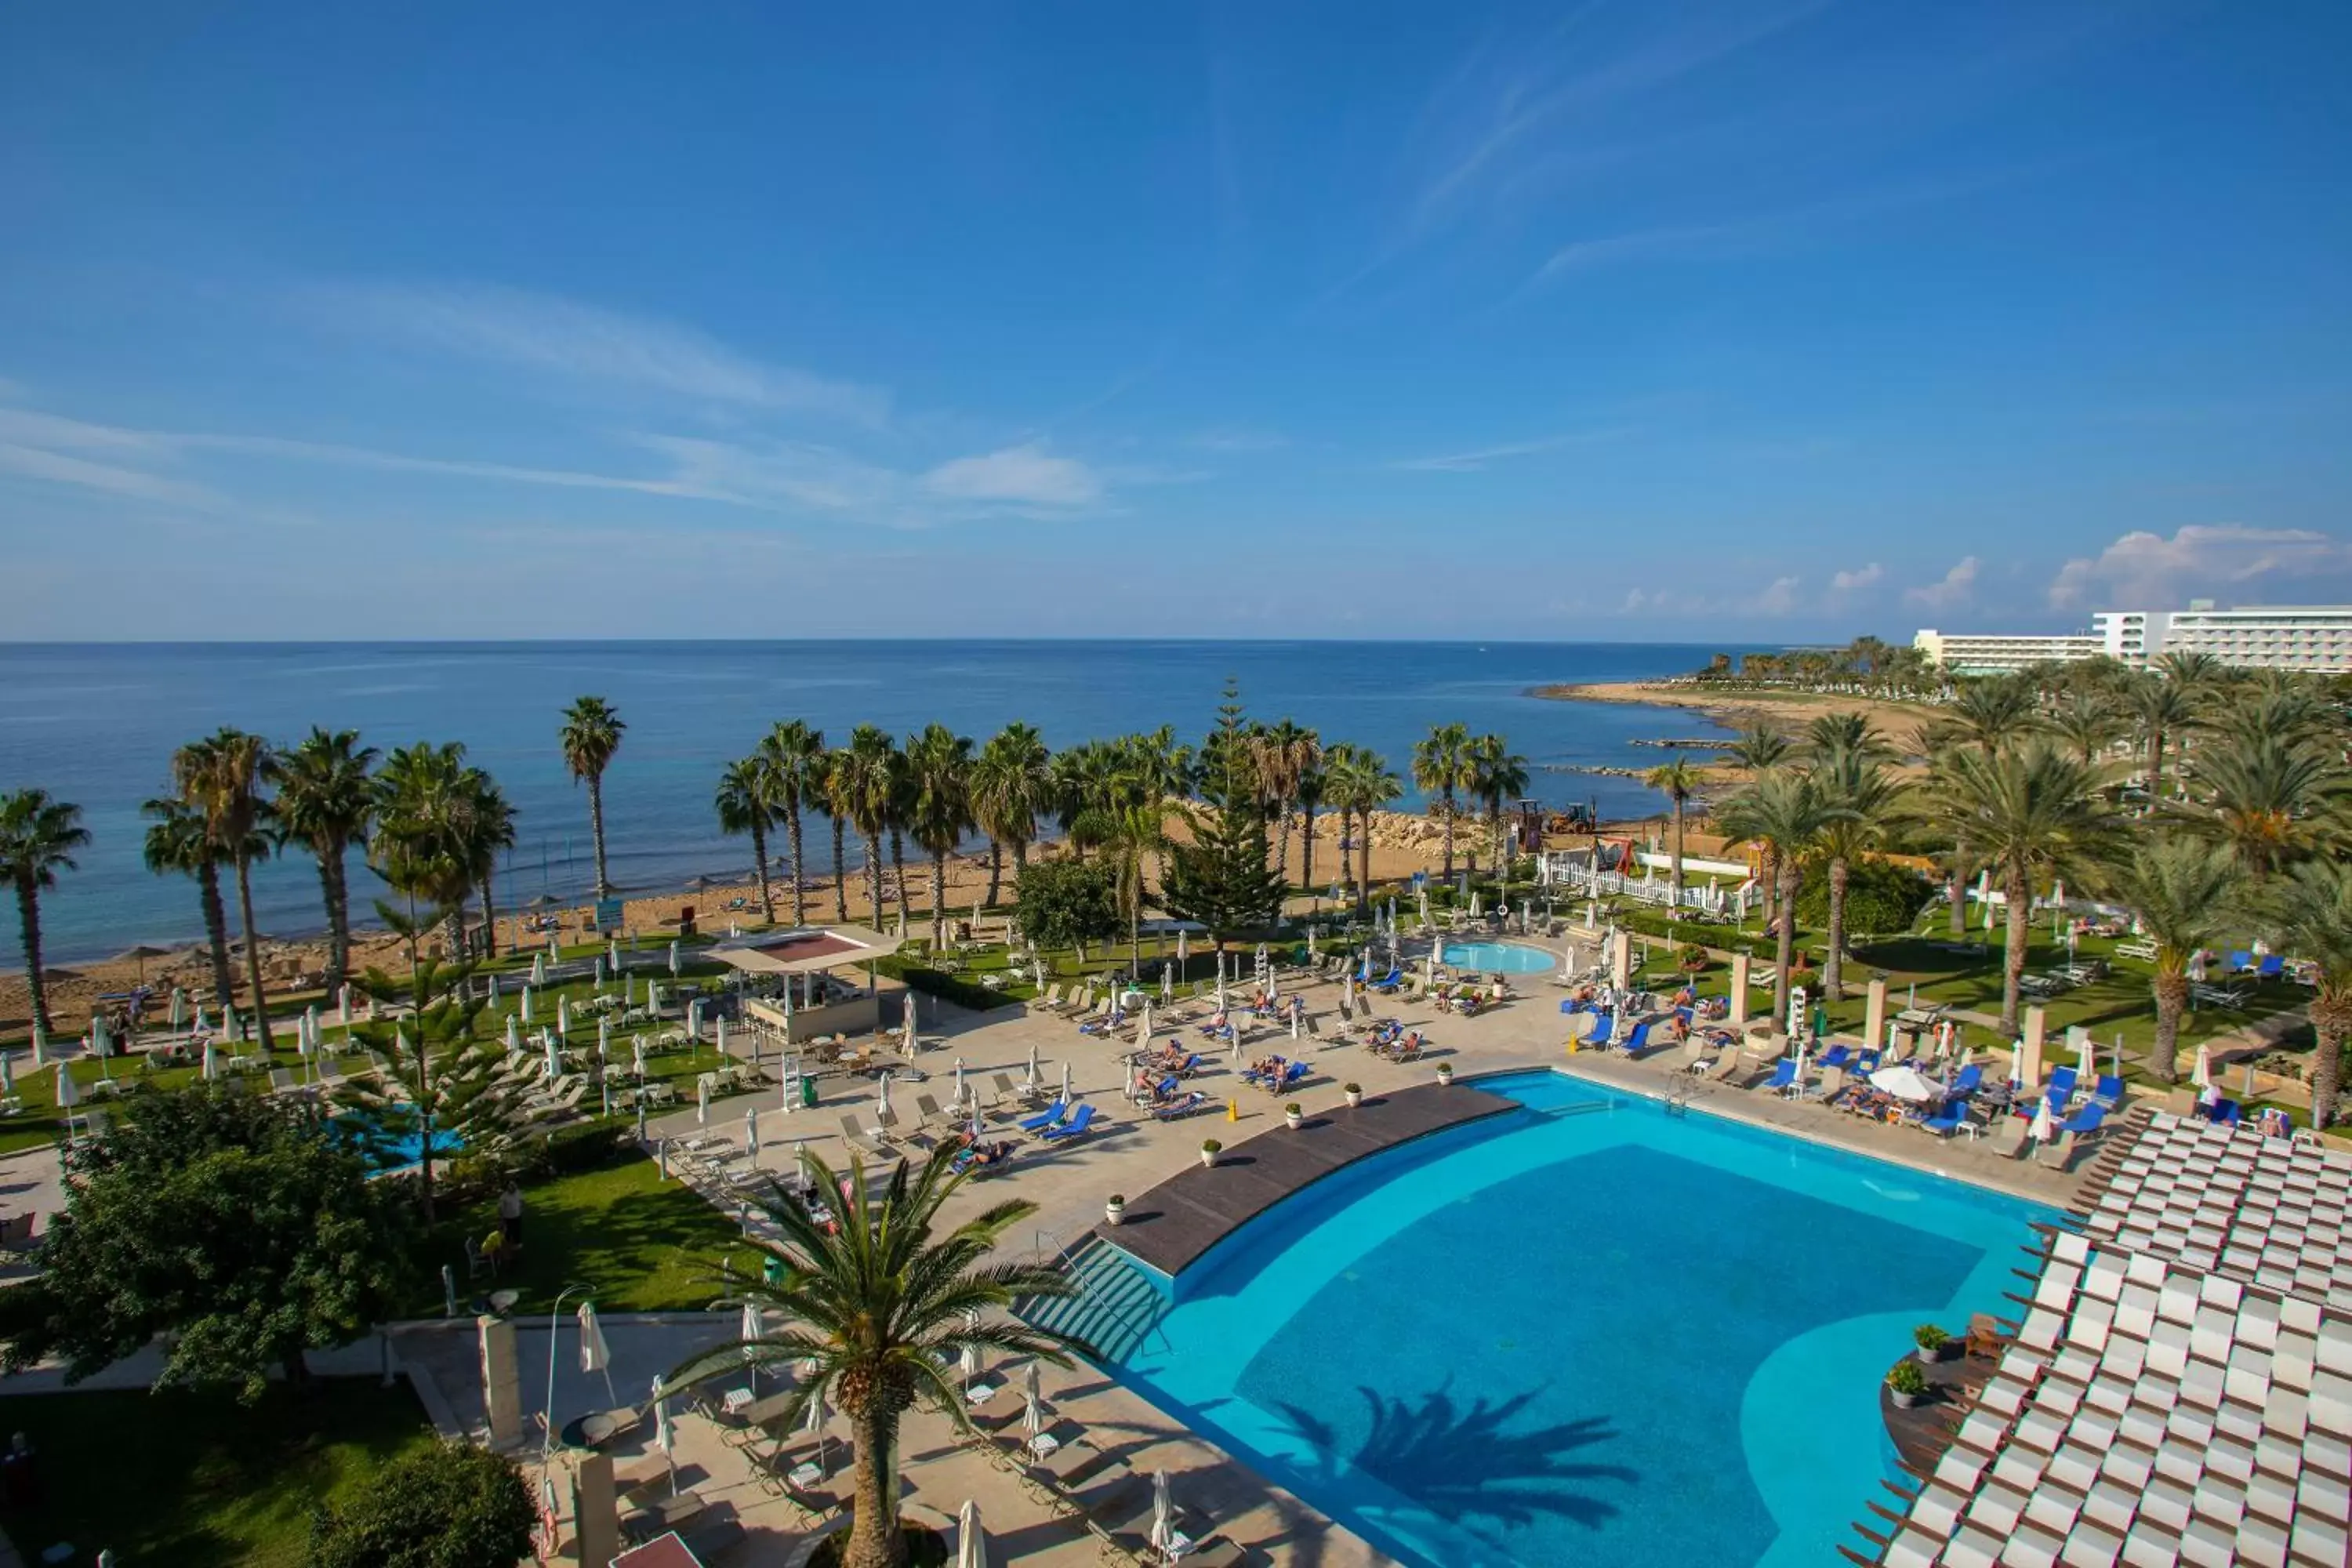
{"x":1497,"y":957}
{"x":391,"y":1152}
{"x":1585,"y":1332}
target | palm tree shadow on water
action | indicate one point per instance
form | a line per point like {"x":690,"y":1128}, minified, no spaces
{"x":1467,"y":1466}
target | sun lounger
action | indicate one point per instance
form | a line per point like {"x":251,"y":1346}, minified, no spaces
{"x":1177,"y":1109}
{"x":1217,"y":1552}
{"x":1948,"y":1120}
{"x":1001,"y":1084}
{"x":2137,"y":948}
{"x":1068,"y":1466}
{"x":2109,"y":1094}
{"x":1638,"y":1041}
{"x":1729,"y":1065}
{"x":1049,"y":1117}
{"x":1970,"y":1079}
{"x":875,"y":1139}
{"x":2062,"y":1086}
{"x":1784,"y":1077}
{"x":1076,"y":1127}
{"x":928,"y":1109}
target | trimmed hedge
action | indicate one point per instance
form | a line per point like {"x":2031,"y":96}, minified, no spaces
{"x":945,"y":986}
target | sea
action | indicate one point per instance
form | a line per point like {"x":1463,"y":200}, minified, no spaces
{"x":96,"y":724}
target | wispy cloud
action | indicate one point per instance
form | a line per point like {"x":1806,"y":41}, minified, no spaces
{"x":1857,"y":578}
{"x":1021,"y":476}
{"x":553,"y":336}
{"x":1240,"y":440}
{"x":1779,"y":598}
{"x":108,"y":479}
{"x":1956,"y":588}
{"x":2149,"y":571}
{"x":1471,"y":462}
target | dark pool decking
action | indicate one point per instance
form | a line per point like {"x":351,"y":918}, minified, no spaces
{"x":1170,"y":1226}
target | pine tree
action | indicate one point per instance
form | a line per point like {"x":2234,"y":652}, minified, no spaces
{"x":1222,"y":879}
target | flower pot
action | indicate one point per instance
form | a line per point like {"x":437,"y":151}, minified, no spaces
{"x":1931,"y":1357}
{"x":1355,"y":1098}
{"x":1114,"y":1214}
{"x":1903,"y":1400}
{"x":1295,"y":1119}
{"x":1444,"y":1073}
{"x":1208,"y":1157}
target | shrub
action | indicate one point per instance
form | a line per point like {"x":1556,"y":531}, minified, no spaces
{"x":1907,"y":1378}
{"x":1880,"y":898}
{"x":1930,"y":1337}
{"x":947,"y":987}
{"x":1352,"y":1088}
{"x":450,"y":1506}
{"x":585,"y":1147}
{"x":1210,"y":1146}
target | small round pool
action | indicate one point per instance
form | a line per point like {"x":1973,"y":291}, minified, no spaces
{"x":1497,"y":957}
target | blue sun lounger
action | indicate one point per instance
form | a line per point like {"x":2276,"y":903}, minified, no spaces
{"x":1943,"y":1123}
{"x":1177,"y":1109}
{"x":2086,"y":1119}
{"x":1049,"y":1117}
{"x":2110,"y":1092}
{"x":2061,"y":1087}
{"x":1076,"y":1127}
{"x":1784,"y":1076}
{"x":1971,"y":1079}
{"x":1636,"y":1042}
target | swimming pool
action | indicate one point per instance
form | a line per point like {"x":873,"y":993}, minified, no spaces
{"x":387,"y":1152}
{"x":1493,"y":957}
{"x":1587,"y":1331}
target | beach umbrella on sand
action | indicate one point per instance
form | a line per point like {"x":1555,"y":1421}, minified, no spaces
{"x":751,"y":1133}
{"x":971,"y":1546}
{"x":2201,"y":1075}
{"x":1903,"y":1083}
{"x":1163,"y":1516}
{"x":702,"y":1103}
{"x":1033,"y":1404}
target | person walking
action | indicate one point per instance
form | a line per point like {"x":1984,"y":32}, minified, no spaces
{"x":510,"y":1217}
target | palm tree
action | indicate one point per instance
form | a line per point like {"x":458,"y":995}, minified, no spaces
{"x":177,"y":841}
{"x":795,"y":758}
{"x":900,"y":806}
{"x":1759,"y":748}
{"x":1991,"y":714}
{"x":2162,"y":709}
{"x":1497,"y":775}
{"x":875,"y":1311}
{"x":1861,"y":802}
{"x":2193,"y":672}
{"x":1677,"y":781}
{"x":38,"y":836}
{"x":425,"y":845}
{"x":1283,"y":754}
{"x":1128,"y":834}
{"x":326,"y":801}
{"x":222,"y":776}
{"x":1012,"y":786}
{"x":490,"y":829}
{"x":2029,"y":810}
{"x":1357,"y":779}
{"x":2087,"y":721}
{"x":2309,"y":913}
{"x":1441,"y":765}
{"x":440,"y":1082}
{"x":590,"y":734}
{"x":745,"y":801}
{"x":1845,"y":734}
{"x":837,"y":798}
{"x":1781,"y":813}
{"x":1310,"y":800}
{"x":2181,"y":891}
{"x":939,"y":808}
{"x":866,"y":774}
{"x":2268,"y":799}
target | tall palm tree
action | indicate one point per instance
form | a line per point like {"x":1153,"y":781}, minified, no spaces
{"x":2031,"y":812}
{"x":1677,"y":781}
{"x":1012,"y":786}
{"x":2162,"y":709}
{"x":836,"y":797}
{"x":38,"y":836}
{"x":177,"y":841}
{"x":2088,"y":722}
{"x":1284,"y":754}
{"x":1357,"y":779}
{"x":866,"y":773}
{"x":1128,"y":834}
{"x":489,"y":830}
{"x":2271,"y":800}
{"x":939,"y":808}
{"x":1441,"y":766}
{"x":1991,"y":714}
{"x":1310,"y":801}
{"x":1848,"y":733}
{"x":223,"y":777}
{"x":425,"y":845}
{"x":2182,"y":892}
{"x":2309,"y":914}
{"x":1497,"y":775}
{"x":795,"y":758}
{"x":874,"y":1311}
{"x":590,"y":734}
{"x":1862,"y":802}
{"x":440,"y":1082}
{"x":2196,"y":673}
{"x":1781,"y":813}
{"x":745,"y":801}
{"x":1759,"y":748}
{"x":326,"y":801}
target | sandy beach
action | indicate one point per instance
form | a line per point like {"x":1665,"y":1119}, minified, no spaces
{"x":1782,"y":711}
{"x":1402,"y":843}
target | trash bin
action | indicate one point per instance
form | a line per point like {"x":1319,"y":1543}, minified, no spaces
{"x":808,"y":1089}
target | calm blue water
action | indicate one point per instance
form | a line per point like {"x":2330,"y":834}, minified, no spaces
{"x":391,"y":1153}
{"x":1497,"y":957}
{"x":97,"y":725}
{"x":1610,"y":1339}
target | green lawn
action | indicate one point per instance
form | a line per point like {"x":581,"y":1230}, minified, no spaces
{"x":194,"y":1482}
{"x":645,"y":1245}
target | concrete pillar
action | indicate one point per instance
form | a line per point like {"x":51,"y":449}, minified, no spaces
{"x":1620,"y":960}
{"x":2036,"y":1026}
{"x":1874,"y":1018}
{"x":1739,"y":989}
{"x":501,"y":1380}
{"x":595,"y":1512}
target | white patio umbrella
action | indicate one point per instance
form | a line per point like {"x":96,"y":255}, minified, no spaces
{"x":604,"y":1035}
{"x":2045,"y":1126}
{"x":1032,"y":1080}
{"x":539,"y":969}
{"x":702,"y":1103}
{"x":1167,"y":981}
{"x":1032,"y":1408}
{"x":2086,"y":1058}
{"x":910,"y":1023}
{"x":1294,"y":1024}
{"x":1143,"y":1026}
{"x":673,"y":958}
{"x":68,"y":1092}
{"x":882,"y":1098}
{"x":2017,"y":1063}
{"x":596,"y":973}
{"x":594,"y":1355}
{"x":1221,"y":988}
{"x":1905,"y":1083}
{"x":1066,"y":1082}
{"x":612,"y":952}
{"x":7,"y":1074}
{"x":957,"y":1097}
{"x":751,"y":1131}
{"x":212,"y":1062}
{"x":179,"y":1009}
{"x":693,"y":1018}
{"x":1183,"y":949}
{"x":563,"y":1017}
{"x":554,"y":1058}
{"x":971,"y":1546}
{"x":638,"y":1050}
{"x":2201,"y":1075}
{"x":665,"y":1435}
{"x":1163,"y":1516}
{"x":819,"y":1413}
{"x":1037,"y":974}
{"x":311,"y":1025}
{"x":100,"y":1039}
{"x":526,"y":1004}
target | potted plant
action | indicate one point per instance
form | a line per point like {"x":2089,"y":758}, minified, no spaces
{"x":1209,"y":1147}
{"x":1292,"y":1114}
{"x":1907,"y":1382}
{"x":1445,"y":1072}
{"x":1932,"y":1341}
{"x":1355,"y":1093}
{"x":1115,"y":1210}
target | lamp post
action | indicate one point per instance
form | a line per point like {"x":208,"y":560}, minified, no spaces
{"x":554,"y":1321}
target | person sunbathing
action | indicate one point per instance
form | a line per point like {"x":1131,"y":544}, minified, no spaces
{"x":1681,"y":1029}
{"x":1269,"y":1067}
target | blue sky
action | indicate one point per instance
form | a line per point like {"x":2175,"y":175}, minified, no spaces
{"x":1777,"y":320}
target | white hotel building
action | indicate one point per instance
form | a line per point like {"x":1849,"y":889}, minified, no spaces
{"x":2311,"y":638}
